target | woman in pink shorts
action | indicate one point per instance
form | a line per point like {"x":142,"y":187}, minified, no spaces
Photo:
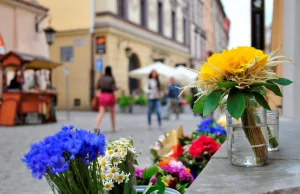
{"x":106,"y":86}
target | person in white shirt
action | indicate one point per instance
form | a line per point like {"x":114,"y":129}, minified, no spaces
{"x":152,"y":89}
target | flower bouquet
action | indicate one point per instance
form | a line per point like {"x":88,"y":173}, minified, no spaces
{"x":202,"y":145}
{"x":171,"y":173}
{"x":241,"y":77}
{"x":68,"y":161}
{"x":117,"y":169}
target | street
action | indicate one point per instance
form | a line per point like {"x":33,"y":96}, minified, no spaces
{"x":14,"y":142}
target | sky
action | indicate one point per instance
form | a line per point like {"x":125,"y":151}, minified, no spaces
{"x":238,"y":12}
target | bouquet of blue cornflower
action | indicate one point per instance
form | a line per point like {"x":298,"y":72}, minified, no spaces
{"x":68,"y":160}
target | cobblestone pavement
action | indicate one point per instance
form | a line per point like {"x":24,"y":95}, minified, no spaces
{"x":15,"y":141}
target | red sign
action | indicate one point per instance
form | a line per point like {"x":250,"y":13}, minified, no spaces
{"x":100,"y":45}
{"x":2,"y":47}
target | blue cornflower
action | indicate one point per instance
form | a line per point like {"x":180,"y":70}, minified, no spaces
{"x":54,"y":152}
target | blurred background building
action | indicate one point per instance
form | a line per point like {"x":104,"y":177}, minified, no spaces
{"x":21,"y":30}
{"x":128,"y":34}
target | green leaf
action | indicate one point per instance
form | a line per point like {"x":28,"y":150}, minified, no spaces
{"x":274,"y":88}
{"x":150,"y":172}
{"x":260,"y":90}
{"x":261,"y":100}
{"x":236,"y":103}
{"x":226,"y":84}
{"x":198,"y":106}
{"x":212,"y":102}
{"x":282,"y":81}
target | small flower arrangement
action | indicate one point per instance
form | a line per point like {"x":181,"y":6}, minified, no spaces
{"x":117,"y":166}
{"x":67,"y":158}
{"x":171,"y":173}
{"x":196,"y":150}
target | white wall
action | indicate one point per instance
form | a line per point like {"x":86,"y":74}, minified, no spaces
{"x":291,"y":48}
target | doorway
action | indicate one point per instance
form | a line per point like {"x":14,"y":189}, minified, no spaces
{"x":134,"y":63}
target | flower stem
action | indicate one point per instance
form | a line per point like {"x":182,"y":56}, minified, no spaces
{"x":254,"y":134}
{"x":272,"y":139}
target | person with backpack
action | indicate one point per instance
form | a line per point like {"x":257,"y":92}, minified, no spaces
{"x":173,"y":97}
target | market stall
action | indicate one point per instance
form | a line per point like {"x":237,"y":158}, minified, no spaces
{"x":19,"y":102}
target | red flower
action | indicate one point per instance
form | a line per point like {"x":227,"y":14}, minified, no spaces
{"x":196,"y":148}
{"x":203,"y":144}
{"x":177,"y":151}
{"x":210,"y":144}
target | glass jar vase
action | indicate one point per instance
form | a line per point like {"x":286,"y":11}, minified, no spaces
{"x":273,"y":129}
{"x":248,"y":137}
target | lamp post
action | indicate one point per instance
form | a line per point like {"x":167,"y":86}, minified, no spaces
{"x":50,"y":35}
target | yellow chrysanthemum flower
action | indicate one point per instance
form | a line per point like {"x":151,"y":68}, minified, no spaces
{"x":231,"y":62}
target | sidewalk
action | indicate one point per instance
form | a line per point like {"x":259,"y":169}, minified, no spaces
{"x":15,"y":141}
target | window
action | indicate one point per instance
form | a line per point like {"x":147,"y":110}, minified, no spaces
{"x":66,"y":54}
{"x":144,"y":13}
{"x":184,"y":32}
{"x":122,"y":5}
{"x":160,"y":17}
{"x":173,"y":25}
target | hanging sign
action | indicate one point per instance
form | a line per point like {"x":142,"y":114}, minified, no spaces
{"x":2,"y":47}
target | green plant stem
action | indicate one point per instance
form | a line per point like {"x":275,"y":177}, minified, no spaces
{"x":254,"y":134}
{"x":272,"y":139}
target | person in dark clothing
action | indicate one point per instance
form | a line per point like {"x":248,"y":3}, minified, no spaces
{"x":106,"y":87}
{"x":173,"y":97}
{"x":15,"y":83}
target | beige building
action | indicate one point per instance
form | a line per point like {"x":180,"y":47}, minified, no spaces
{"x":216,"y":26}
{"x":21,"y":28}
{"x":197,"y":33}
{"x":135,"y":32}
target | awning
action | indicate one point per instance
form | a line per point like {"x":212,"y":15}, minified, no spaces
{"x":27,"y":61}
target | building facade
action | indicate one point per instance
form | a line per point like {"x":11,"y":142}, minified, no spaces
{"x":216,"y":26}
{"x":221,"y":26}
{"x":197,"y":33}
{"x":125,"y":34}
{"x":21,"y":29}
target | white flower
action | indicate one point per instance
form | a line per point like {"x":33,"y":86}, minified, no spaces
{"x":108,"y":185}
{"x":127,"y":177}
{"x":110,"y":176}
{"x":103,"y":161}
{"x":114,"y":169}
{"x":103,"y":177}
{"x":120,"y":177}
{"x":117,"y":161}
{"x":110,"y":153}
{"x":124,"y":141}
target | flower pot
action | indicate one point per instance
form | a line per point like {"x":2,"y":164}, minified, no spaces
{"x":247,"y":137}
{"x":141,"y":189}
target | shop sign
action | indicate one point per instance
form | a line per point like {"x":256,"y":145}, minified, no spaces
{"x":100,"y":45}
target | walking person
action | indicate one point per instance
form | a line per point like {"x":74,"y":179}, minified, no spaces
{"x":106,"y":87}
{"x":173,"y":97}
{"x":153,"y":89}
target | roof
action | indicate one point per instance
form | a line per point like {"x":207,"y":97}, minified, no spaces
{"x":31,"y":4}
{"x":30,"y":61}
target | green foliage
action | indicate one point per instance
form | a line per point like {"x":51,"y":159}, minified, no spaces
{"x":125,"y":101}
{"x":199,"y":105}
{"x":140,"y":100}
{"x":150,"y":172}
{"x":189,"y":98}
{"x":261,"y":100}
{"x":212,"y":102}
{"x":236,"y":103}
{"x":282,"y":81}
{"x":226,"y":84}
{"x":81,"y":179}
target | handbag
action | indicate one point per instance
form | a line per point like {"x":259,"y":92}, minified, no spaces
{"x":95,"y":104}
